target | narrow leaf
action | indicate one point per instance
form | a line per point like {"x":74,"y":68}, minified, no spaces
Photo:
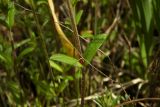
{"x":25,"y":52}
{"x":11,"y":14}
{"x":2,"y":58}
{"x":142,"y":49}
{"x":19,"y":44}
{"x":86,"y":34}
{"x":62,"y":86}
{"x":148,"y":13}
{"x":55,"y":66}
{"x":94,"y":46}
{"x":65,"y":59}
{"x":78,"y":16}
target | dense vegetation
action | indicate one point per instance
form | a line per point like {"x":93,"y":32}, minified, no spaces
{"x":88,"y":53}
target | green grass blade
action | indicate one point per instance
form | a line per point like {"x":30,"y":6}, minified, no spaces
{"x":55,"y":66}
{"x":11,"y":14}
{"x":78,"y":16}
{"x":148,"y":13}
{"x":94,"y":46}
{"x":65,"y":59}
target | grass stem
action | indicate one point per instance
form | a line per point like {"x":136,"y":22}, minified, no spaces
{"x":78,"y":47}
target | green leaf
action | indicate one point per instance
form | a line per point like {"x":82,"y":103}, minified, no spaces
{"x":78,"y":16}
{"x":25,"y":52}
{"x":62,"y":86}
{"x":143,"y":50}
{"x":86,"y":34}
{"x":143,"y":13}
{"x":74,"y":2}
{"x":6,"y":58}
{"x":41,"y":2}
{"x":46,"y":89}
{"x":2,"y":20}
{"x":65,"y":59}
{"x":55,"y":66}
{"x":94,"y":46}
{"x":156,"y":7}
{"x":148,"y":13}
{"x":11,"y":14}
{"x":19,"y":44}
{"x":3,"y":58}
{"x":78,"y":74}
{"x":15,"y":92}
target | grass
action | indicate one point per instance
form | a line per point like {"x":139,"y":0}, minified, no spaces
{"x":79,"y":53}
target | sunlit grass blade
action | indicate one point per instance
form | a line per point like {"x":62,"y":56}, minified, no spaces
{"x":11,"y":14}
{"x":78,"y":16}
{"x":65,"y":59}
{"x":55,"y":66}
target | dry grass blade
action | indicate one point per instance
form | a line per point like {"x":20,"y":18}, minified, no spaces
{"x":68,"y":46}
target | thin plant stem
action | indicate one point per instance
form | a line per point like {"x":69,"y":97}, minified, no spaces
{"x":14,"y":56}
{"x":74,"y":27}
{"x":96,"y":17}
{"x":78,"y":47}
{"x":42,"y":39}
